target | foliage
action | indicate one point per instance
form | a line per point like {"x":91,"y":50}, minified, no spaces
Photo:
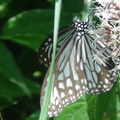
{"x":23,"y":26}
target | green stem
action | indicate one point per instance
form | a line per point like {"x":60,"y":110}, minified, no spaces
{"x":1,"y":116}
{"x":44,"y":110}
{"x":86,"y":13}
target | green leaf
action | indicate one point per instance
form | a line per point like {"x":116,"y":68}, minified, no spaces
{"x":114,"y":105}
{"x":32,"y":41}
{"x":10,"y":71}
{"x":4,"y":103}
{"x":75,"y":111}
{"x":31,"y":27}
{"x":34,"y":22}
{"x":98,"y":104}
{"x":101,"y":107}
{"x":8,"y":89}
{"x":94,"y":107}
{"x":73,"y":6}
{"x":33,"y":116}
{"x":4,"y":7}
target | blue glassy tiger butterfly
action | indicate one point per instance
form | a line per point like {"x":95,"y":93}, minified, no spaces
{"x":82,"y":64}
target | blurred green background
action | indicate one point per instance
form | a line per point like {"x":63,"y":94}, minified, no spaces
{"x":24,"y":24}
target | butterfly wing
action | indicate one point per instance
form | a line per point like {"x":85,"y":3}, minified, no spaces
{"x":98,"y":72}
{"x":76,"y":72}
{"x":46,"y":48}
{"x":65,"y":77}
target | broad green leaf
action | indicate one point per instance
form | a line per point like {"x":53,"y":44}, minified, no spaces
{"x":31,"y":27}
{"x":75,"y":111}
{"x":74,"y":6}
{"x":11,"y":72}
{"x":4,"y":1}
{"x":90,"y":99}
{"x":102,"y":106}
{"x":94,"y":107}
{"x":114,"y":105}
{"x":4,"y":7}
{"x":4,"y":103}
{"x":33,"y":116}
{"x":32,"y":41}
{"x":30,"y":22}
{"x":9,"y":90}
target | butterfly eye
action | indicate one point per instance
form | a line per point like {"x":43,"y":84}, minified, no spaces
{"x":78,"y":66}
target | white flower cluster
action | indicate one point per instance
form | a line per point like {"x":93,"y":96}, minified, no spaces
{"x":108,"y":12}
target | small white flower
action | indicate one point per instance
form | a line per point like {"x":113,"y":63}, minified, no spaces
{"x":108,"y":12}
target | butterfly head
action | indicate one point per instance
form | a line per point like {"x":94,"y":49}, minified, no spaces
{"x":80,"y":26}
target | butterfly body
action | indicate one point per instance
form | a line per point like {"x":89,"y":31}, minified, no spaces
{"x":79,"y":67}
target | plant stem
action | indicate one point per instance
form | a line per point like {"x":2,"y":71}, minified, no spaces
{"x":44,"y":110}
{"x":86,"y":13}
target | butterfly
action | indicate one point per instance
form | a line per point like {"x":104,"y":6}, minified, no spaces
{"x":82,"y":65}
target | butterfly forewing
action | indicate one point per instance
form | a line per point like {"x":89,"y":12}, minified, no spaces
{"x":79,"y":68}
{"x":46,"y":48}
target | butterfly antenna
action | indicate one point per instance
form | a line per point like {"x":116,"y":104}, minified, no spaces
{"x":90,"y":17}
